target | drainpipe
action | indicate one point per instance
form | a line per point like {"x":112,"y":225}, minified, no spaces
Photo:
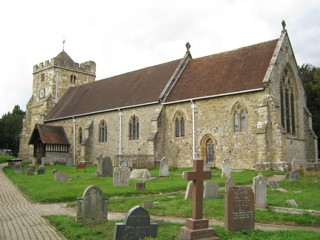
{"x":74,"y":140}
{"x":120,"y":132}
{"x":193,"y":107}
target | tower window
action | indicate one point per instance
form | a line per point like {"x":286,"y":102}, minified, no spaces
{"x":42,"y":77}
{"x":73,"y":79}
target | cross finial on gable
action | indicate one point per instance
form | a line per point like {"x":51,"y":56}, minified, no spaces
{"x":283,"y":26}
{"x":63,"y":42}
{"x":188,"y":46}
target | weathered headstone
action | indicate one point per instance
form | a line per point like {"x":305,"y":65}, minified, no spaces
{"x":140,"y":174}
{"x":30,"y":170}
{"x":226,"y":170}
{"x":140,"y":186}
{"x":41,"y":170}
{"x":292,"y":203}
{"x":260,"y":191}
{"x":92,"y":207}
{"x":229,"y":183}
{"x":295,"y":165}
{"x":239,"y":209}
{"x":293,"y":175}
{"x":210,"y":190}
{"x":121,"y":176}
{"x":104,"y":167}
{"x":164,"y":167}
{"x":18,"y":167}
{"x":197,"y":227}
{"x":147,"y":204}
{"x":188,"y":194}
{"x":136,"y":226}
{"x":61,"y":177}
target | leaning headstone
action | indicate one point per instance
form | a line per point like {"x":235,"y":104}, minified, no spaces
{"x":164,"y":167}
{"x":121,"y":176}
{"x":225,"y":169}
{"x":188,"y":194}
{"x":292,"y":203}
{"x":92,"y":207}
{"x":136,"y":225}
{"x":239,"y":209}
{"x":140,"y":186}
{"x":210,"y":190}
{"x":18,"y":168}
{"x":104,"y":167}
{"x":260,"y":191}
{"x":229,"y":183}
{"x":30,"y":170}
{"x":41,"y":170}
{"x":140,"y":174}
{"x":61,"y":177}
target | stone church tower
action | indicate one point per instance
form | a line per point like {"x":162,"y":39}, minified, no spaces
{"x":51,"y":80}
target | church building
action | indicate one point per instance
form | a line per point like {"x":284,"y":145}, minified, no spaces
{"x":246,"y":105}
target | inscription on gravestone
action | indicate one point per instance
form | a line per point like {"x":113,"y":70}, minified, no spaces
{"x":239,"y":209}
{"x":136,"y":226}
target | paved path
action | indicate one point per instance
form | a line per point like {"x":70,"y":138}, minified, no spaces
{"x":19,"y":218}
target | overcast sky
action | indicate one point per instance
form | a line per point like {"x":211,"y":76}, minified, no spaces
{"x":125,"y":35}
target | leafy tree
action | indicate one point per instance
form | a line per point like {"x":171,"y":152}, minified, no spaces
{"x":10,"y":128}
{"x":310,"y":76}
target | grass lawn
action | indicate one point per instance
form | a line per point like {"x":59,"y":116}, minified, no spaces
{"x":167,"y":231}
{"x":5,"y":158}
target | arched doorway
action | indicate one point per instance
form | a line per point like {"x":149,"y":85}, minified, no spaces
{"x":208,"y":145}
{"x":209,"y":152}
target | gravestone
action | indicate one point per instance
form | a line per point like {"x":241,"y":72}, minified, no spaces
{"x":92,"y":207}
{"x":30,"y":170}
{"x":140,"y":186}
{"x":188,"y":194}
{"x":41,"y":170}
{"x":197,"y":227}
{"x":294,"y":175}
{"x":292,"y":203}
{"x":295,"y":165}
{"x":54,"y":171}
{"x":147,"y":204}
{"x":18,"y":168}
{"x":229,"y":183}
{"x":121,"y":176}
{"x":225,"y":169}
{"x":104,"y":167}
{"x":140,"y":174}
{"x":164,"y":167}
{"x":61,"y":177}
{"x":136,"y":226}
{"x":239,"y":209}
{"x":260,"y":191}
{"x":210,"y":190}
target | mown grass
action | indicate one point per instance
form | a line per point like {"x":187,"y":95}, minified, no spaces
{"x":5,"y":158}
{"x":167,"y":231}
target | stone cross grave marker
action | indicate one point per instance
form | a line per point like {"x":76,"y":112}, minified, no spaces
{"x":92,"y":207}
{"x":260,"y":191}
{"x":239,"y":209}
{"x":197,"y":227}
{"x":121,"y":176}
{"x":61,"y":177}
{"x":210,"y":190}
{"x":164,"y":167}
{"x":104,"y":167}
{"x":136,"y":225}
{"x":226,"y":171}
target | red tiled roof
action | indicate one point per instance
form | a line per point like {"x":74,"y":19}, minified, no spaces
{"x":233,"y":71}
{"x":134,"y":88}
{"x":49,"y":134}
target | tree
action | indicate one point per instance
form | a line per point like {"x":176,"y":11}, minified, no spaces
{"x":310,"y":76}
{"x":10,"y":128}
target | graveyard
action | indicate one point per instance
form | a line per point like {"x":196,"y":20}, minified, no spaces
{"x":167,"y":197}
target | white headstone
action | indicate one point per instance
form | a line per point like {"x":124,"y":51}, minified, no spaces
{"x":140,"y":174}
{"x":164,"y":167}
{"x":260,"y":191}
{"x":188,"y":194}
{"x":121,"y":176}
{"x":225,"y":169}
{"x":210,"y":190}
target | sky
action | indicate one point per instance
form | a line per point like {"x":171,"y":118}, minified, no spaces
{"x":125,"y":35}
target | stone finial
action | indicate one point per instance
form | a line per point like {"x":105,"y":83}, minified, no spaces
{"x":188,"y":46}
{"x":283,"y":26}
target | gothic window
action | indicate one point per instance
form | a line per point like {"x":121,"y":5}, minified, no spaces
{"x":134,"y":128}
{"x":80,"y":135}
{"x":179,"y":125}
{"x":103,"y":131}
{"x":73,"y":79}
{"x":239,"y":119}
{"x":287,"y":102}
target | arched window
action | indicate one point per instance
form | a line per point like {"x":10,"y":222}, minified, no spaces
{"x":179,"y":125}
{"x":210,"y":151}
{"x":287,"y":102}
{"x":73,"y":79}
{"x":103,"y":131}
{"x":239,"y":119}
{"x":134,"y":128}
{"x":80,"y":135}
